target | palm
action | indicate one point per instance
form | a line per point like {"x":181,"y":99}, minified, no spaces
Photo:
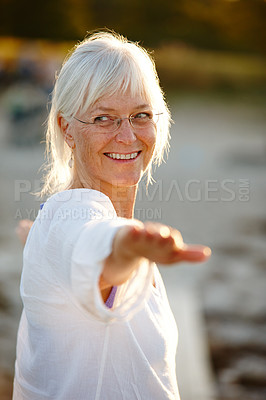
{"x":161,"y":244}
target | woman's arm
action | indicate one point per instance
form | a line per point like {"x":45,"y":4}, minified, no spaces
{"x":158,"y":243}
{"x":22,"y":230}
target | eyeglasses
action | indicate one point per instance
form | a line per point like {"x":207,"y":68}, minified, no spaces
{"x":110,"y":123}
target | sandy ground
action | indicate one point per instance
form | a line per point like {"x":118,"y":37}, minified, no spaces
{"x":212,"y":189}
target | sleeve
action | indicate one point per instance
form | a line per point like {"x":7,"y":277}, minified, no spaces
{"x":76,"y":247}
{"x":93,"y":246}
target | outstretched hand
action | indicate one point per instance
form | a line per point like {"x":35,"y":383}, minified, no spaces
{"x":162,"y":244}
{"x":159,"y":243}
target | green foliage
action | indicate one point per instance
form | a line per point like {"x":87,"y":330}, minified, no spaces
{"x":235,"y":25}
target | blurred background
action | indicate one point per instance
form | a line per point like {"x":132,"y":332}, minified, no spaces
{"x":211,"y":60}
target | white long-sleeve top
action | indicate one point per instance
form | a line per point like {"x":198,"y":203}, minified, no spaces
{"x":70,"y":345}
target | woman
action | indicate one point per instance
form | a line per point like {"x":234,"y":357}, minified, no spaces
{"x":96,"y":322}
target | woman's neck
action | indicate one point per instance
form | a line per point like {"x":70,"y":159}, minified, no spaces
{"x":122,"y":198}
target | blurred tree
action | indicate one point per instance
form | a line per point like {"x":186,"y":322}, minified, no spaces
{"x":79,"y":16}
{"x":28,"y":18}
{"x":226,"y":24}
{"x":237,"y":25}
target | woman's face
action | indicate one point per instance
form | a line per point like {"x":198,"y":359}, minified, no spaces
{"x":99,"y":155}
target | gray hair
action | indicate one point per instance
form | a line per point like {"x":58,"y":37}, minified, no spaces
{"x":99,"y":66}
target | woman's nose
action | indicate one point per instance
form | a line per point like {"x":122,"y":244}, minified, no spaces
{"x":125,"y":132}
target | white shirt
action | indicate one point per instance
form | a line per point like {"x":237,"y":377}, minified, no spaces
{"x":71,"y":346}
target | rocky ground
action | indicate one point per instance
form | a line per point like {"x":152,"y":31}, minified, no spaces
{"x":236,"y":326}
{"x":213,"y":189}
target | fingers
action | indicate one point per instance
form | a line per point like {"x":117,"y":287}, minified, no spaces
{"x":193,"y":253}
{"x":162,"y":233}
{"x":162,"y":244}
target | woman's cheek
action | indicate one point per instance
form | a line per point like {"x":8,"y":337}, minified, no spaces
{"x":152,"y":141}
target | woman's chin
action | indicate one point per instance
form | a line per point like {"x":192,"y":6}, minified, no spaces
{"x":128,"y":181}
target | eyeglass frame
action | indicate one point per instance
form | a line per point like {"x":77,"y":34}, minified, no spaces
{"x":117,"y":120}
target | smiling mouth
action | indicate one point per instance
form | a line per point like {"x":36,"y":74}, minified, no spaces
{"x":119,"y":156}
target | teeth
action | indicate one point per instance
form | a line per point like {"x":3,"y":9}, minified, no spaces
{"x":122,"y":156}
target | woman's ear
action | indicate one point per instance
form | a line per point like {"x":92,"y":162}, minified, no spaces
{"x":65,"y":128}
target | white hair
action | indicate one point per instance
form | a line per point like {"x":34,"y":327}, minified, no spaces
{"x":99,"y":66}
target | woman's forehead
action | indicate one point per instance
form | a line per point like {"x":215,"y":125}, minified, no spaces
{"x":119,"y":101}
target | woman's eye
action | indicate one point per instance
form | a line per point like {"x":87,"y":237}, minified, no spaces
{"x":101,"y":118}
{"x":143,"y":115}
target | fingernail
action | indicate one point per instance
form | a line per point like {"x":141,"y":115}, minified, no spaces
{"x":165,"y":231}
{"x":207,"y":252}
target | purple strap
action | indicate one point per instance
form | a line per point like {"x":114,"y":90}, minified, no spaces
{"x":110,"y":301}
